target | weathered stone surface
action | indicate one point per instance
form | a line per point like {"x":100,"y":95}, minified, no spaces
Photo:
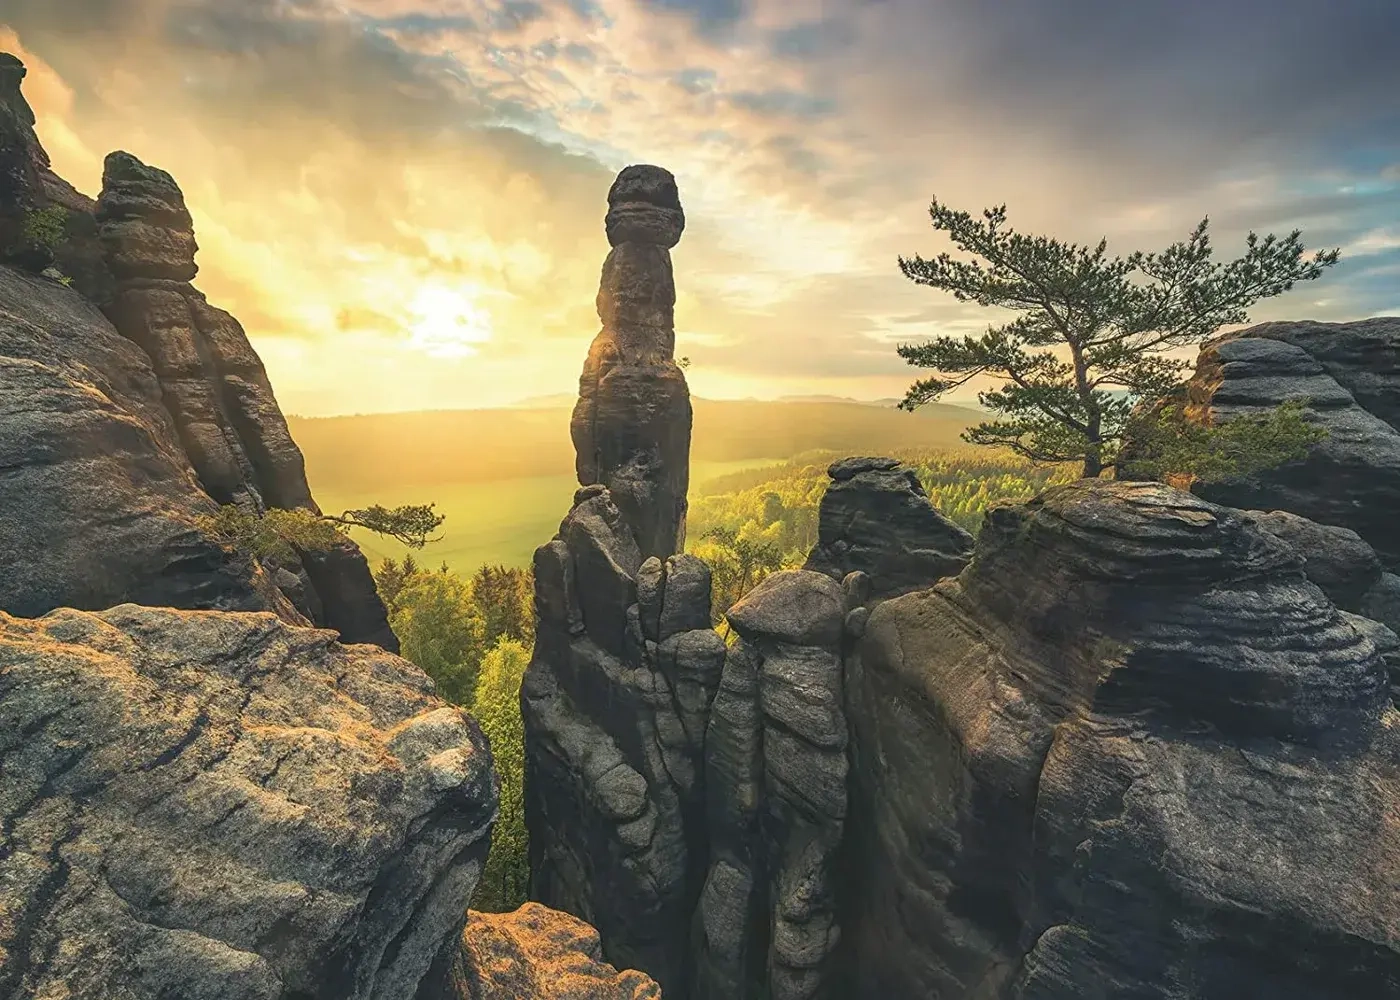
{"x":98,"y":499}
{"x":615,"y":730}
{"x":1336,"y":559}
{"x":631,"y":427}
{"x":876,"y":518}
{"x":1122,"y":752}
{"x":28,"y":184}
{"x":214,"y":385}
{"x":776,"y":765}
{"x":1352,"y":478}
{"x":208,"y":804}
{"x":537,"y":953}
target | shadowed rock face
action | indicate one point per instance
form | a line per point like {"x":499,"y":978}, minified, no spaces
{"x":98,"y":499}
{"x":28,"y":184}
{"x":614,"y":703}
{"x":1350,"y":374}
{"x":631,"y":426}
{"x":876,"y":519}
{"x":1121,"y":752}
{"x":776,"y":767}
{"x":537,"y":953}
{"x":218,"y":805}
{"x":134,"y":406}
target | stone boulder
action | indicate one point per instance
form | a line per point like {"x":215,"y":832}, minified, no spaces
{"x":1130,"y":751}
{"x":876,"y":519}
{"x":210,"y":804}
{"x":537,"y":953}
{"x":1352,"y":478}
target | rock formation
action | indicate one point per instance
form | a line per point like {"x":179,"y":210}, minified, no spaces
{"x":210,"y":804}
{"x":130,"y":405}
{"x":537,"y":953}
{"x":631,"y":427}
{"x":625,"y":664}
{"x":98,"y":501}
{"x":1349,"y":374}
{"x":876,"y":519}
{"x":28,"y":185}
{"x":1120,"y":754}
{"x":214,"y":384}
{"x":776,"y":788}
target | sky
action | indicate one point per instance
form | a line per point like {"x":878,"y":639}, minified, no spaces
{"x":402,"y":200}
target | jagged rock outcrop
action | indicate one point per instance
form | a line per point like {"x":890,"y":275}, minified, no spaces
{"x":1120,"y":755}
{"x":209,"y":804}
{"x":537,"y":953}
{"x":876,"y":519}
{"x":121,"y":427}
{"x":614,"y":702}
{"x":1348,"y":372}
{"x":776,"y":785}
{"x":617,"y":695}
{"x":631,"y":426}
{"x":29,"y":185}
{"x":98,"y":503}
{"x":215,"y":386}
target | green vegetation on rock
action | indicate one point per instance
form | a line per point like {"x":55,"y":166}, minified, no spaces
{"x":277,"y":534}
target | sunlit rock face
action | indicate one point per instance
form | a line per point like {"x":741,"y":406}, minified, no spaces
{"x":219,"y":805}
{"x":631,"y":426}
{"x":537,"y":953}
{"x":216,"y":388}
{"x":1130,"y":751}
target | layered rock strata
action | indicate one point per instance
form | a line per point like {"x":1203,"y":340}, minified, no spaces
{"x":1119,"y":753}
{"x":631,"y":426}
{"x":875,"y":518}
{"x":215,"y":387}
{"x":1349,"y":374}
{"x":209,"y":804}
{"x":537,"y":953}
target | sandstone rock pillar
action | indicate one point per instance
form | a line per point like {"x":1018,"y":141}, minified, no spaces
{"x":631,"y":426}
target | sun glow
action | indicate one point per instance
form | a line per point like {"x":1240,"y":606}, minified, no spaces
{"x":447,"y":323}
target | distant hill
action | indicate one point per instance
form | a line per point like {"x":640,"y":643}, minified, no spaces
{"x":373,"y":451}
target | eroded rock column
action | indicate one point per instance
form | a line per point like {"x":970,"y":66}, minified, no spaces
{"x":216,"y":389}
{"x":617,"y":698}
{"x":631,"y":426}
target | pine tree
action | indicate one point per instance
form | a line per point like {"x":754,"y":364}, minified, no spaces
{"x":1095,"y":332}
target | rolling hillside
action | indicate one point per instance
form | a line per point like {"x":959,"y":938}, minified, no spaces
{"x":504,"y":477}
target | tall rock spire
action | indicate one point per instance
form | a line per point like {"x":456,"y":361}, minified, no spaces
{"x":631,"y":426}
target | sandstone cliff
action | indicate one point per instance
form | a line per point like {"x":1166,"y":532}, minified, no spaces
{"x":130,"y":405}
{"x":212,"y":804}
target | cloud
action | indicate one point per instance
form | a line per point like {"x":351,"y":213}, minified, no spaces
{"x":340,"y":157}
